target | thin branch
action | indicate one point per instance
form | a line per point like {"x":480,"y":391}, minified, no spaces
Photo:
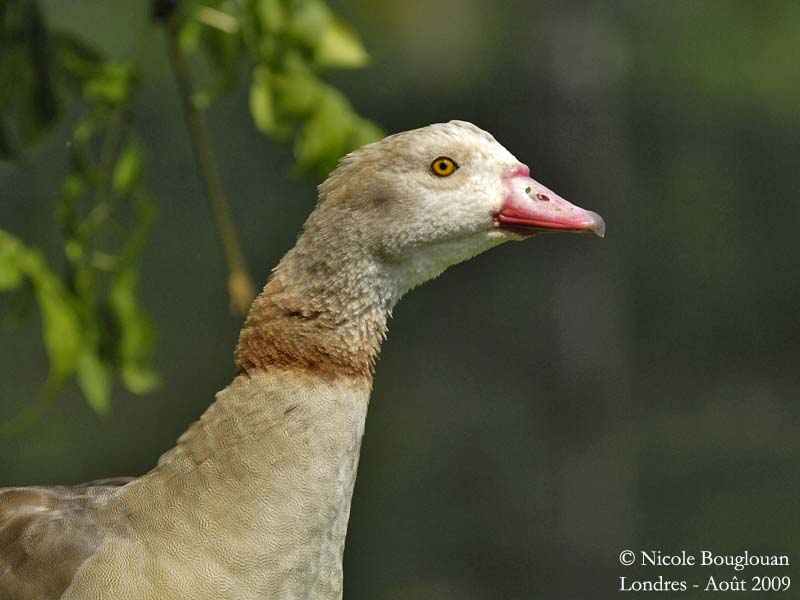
{"x":108,"y":153}
{"x":101,"y":210}
{"x":240,"y":284}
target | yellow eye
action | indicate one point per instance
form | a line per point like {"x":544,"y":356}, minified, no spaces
{"x":443,"y":166}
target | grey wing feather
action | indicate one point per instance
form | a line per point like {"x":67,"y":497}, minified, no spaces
{"x":45,"y":535}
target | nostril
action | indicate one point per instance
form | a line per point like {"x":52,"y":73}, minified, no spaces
{"x":543,"y":198}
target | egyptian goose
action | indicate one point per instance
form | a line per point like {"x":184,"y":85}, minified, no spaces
{"x":254,"y":499}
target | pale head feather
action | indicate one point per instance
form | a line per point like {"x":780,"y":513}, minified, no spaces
{"x":385,"y":199}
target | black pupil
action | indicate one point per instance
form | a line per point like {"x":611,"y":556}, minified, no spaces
{"x":442,"y":166}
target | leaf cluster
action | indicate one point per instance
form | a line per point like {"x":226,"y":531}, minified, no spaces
{"x":92,"y":322}
{"x":94,"y":326}
{"x":285,"y":46}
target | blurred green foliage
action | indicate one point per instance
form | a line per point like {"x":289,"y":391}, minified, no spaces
{"x":541,"y":407}
{"x":28,"y":102}
{"x":93,"y":323}
{"x":285,"y":45}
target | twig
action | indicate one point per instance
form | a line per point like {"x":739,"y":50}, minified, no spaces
{"x":240,"y":284}
{"x":101,"y":210}
{"x":108,"y":152}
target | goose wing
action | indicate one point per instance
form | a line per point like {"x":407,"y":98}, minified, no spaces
{"x":46,"y":533}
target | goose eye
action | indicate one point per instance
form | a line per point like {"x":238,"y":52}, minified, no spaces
{"x":443,"y":166}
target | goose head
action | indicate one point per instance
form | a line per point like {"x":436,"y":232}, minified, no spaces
{"x":392,"y":215}
{"x":425,"y":199}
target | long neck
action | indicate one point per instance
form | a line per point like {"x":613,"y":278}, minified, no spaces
{"x":265,"y":477}
{"x":324,"y":311}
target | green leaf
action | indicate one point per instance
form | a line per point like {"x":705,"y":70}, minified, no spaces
{"x":297,"y":90}
{"x":112,"y":84}
{"x":95,"y":380}
{"x":136,"y":339}
{"x":323,"y":138}
{"x":271,"y":15}
{"x":189,"y":35}
{"x":74,"y":186}
{"x":340,"y":46}
{"x":10,"y":273}
{"x":61,"y":327}
{"x":128,"y":170}
{"x":309,"y":22}
{"x":261,"y":101}
{"x":139,"y":379}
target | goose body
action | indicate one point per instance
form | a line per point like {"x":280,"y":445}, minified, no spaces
{"x":253,"y":501}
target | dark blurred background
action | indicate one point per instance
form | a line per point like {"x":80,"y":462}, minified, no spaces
{"x":547,"y":404}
